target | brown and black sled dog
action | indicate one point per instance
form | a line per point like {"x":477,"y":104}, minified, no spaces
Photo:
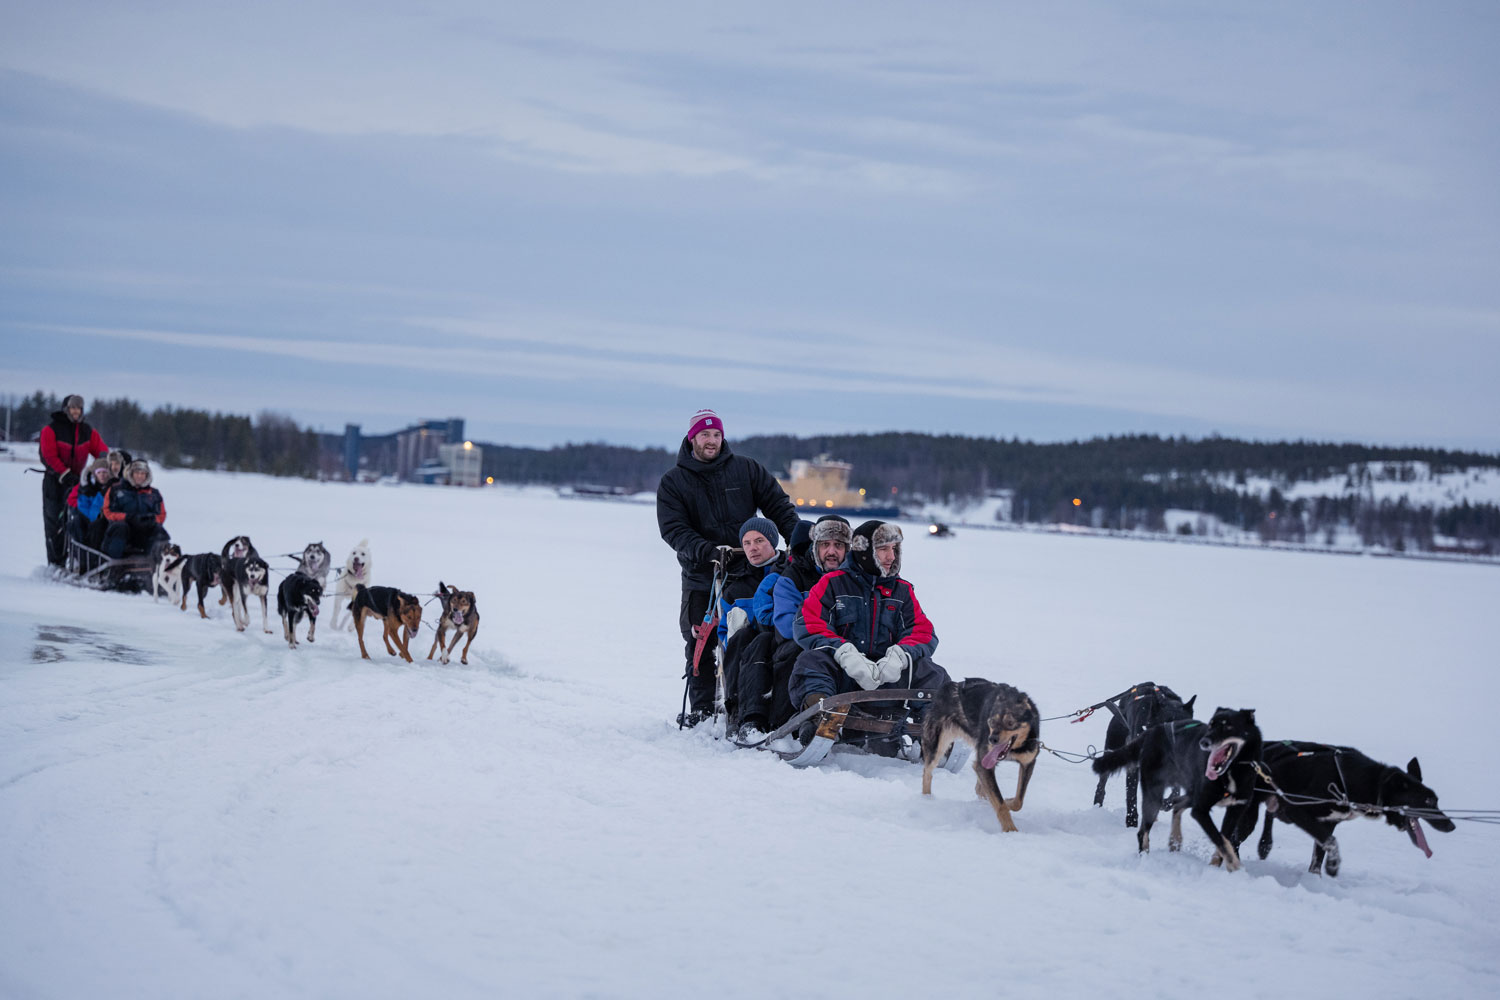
{"x":999,"y":722}
{"x":461,"y":614}
{"x":400,"y":615}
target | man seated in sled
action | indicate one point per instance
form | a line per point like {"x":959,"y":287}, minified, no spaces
{"x":827,"y":545}
{"x":766,"y":668}
{"x":135,"y":511}
{"x":86,"y":522}
{"x":861,"y":627}
{"x":745,"y":614}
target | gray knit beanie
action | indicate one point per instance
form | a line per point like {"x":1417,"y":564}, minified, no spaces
{"x":765,"y":526}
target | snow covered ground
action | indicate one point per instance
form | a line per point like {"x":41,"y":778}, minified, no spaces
{"x":186,"y":811}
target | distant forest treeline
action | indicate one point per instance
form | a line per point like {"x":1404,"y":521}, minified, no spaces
{"x":1121,"y":482}
{"x":271,"y":443}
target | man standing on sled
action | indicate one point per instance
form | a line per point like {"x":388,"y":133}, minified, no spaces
{"x":701,"y":503}
{"x":861,"y":627}
{"x":66,"y":445}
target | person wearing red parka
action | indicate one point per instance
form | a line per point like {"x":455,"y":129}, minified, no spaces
{"x":66,"y":446}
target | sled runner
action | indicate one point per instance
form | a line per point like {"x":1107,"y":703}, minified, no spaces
{"x":88,"y":567}
{"x":839,"y":716}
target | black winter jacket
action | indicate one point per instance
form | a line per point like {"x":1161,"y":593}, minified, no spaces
{"x":701,"y":505}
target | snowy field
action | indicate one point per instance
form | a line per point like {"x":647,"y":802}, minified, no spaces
{"x":186,"y":811}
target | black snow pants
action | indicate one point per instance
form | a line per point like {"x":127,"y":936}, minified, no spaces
{"x":54,"y":505}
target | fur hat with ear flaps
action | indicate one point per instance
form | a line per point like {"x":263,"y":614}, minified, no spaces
{"x":139,"y":463}
{"x":830,"y":528}
{"x":867,"y":537}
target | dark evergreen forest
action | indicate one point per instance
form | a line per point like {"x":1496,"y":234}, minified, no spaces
{"x":1125,"y":482}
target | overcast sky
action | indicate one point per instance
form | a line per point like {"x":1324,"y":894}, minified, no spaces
{"x":583,"y":221}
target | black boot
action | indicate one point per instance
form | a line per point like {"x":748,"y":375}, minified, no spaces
{"x":809,"y":727}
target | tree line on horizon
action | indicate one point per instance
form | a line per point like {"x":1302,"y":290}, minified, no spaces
{"x":270,"y":443}
{"x":1122,"y":482}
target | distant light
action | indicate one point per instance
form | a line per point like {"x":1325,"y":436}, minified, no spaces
{"x":489,"y":480}
{"x":1077,"y":502}
{"x":861,"y":491}
{"x":800,"y":501}
{"x":828,"y":503}
{"x":468,"y":445}
{"x":932,"y":529}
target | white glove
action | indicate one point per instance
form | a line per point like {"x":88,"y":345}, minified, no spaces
{"x":734,"y":621}
{"x":859,"y":667}
{"x":892,"y":665}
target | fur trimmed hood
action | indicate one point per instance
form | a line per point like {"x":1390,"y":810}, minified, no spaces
{"x":139,"y":463}
{"x":868,"y":537}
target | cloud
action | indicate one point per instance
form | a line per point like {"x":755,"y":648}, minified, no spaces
{"x":654,"y":359}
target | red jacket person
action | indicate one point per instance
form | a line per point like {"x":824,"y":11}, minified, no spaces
{"x":67,"y":444}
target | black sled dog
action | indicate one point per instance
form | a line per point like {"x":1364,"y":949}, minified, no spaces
{"x":1194,"y":766}
{"x":1307,"y":775}
{"x":298,"y":596}
{"x":999,"y":722}
{"x":244,"y":573}
{"x":1133,"y":712}
{"x":200,"y":571}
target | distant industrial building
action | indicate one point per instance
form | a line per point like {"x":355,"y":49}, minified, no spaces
{"x":431,"y":451}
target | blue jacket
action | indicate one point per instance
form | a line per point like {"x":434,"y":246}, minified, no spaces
{"x":90,"y":503}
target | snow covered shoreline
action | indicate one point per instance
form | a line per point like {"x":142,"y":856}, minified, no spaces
{"x":189,"y":811}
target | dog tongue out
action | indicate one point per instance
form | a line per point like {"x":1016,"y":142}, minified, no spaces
{"x":996,"y":752}
{"x":1414,"y":831}
{"x":1218,"y":760}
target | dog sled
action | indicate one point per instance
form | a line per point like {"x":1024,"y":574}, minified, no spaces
{"x":91,"y":568}
{"x":880,"y":720}
{"x":847,"y":719}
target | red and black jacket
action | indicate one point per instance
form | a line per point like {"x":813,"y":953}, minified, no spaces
{"x":848,"y":605}
{"x":67,"y":447}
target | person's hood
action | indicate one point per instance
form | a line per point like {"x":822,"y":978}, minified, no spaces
{"x":139,"y":463}
{"x":867,"y":537}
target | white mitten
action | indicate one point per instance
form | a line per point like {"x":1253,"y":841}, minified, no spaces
{"x":893,"y":665}
{"x":735,"y":620}
{"x":859,"y":667}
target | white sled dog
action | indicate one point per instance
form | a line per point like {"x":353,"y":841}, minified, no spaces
{"x":356,"y":571}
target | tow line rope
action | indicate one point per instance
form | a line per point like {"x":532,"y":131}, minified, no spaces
{"x":1072,"y":757}
{"x":1109,"y":703}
